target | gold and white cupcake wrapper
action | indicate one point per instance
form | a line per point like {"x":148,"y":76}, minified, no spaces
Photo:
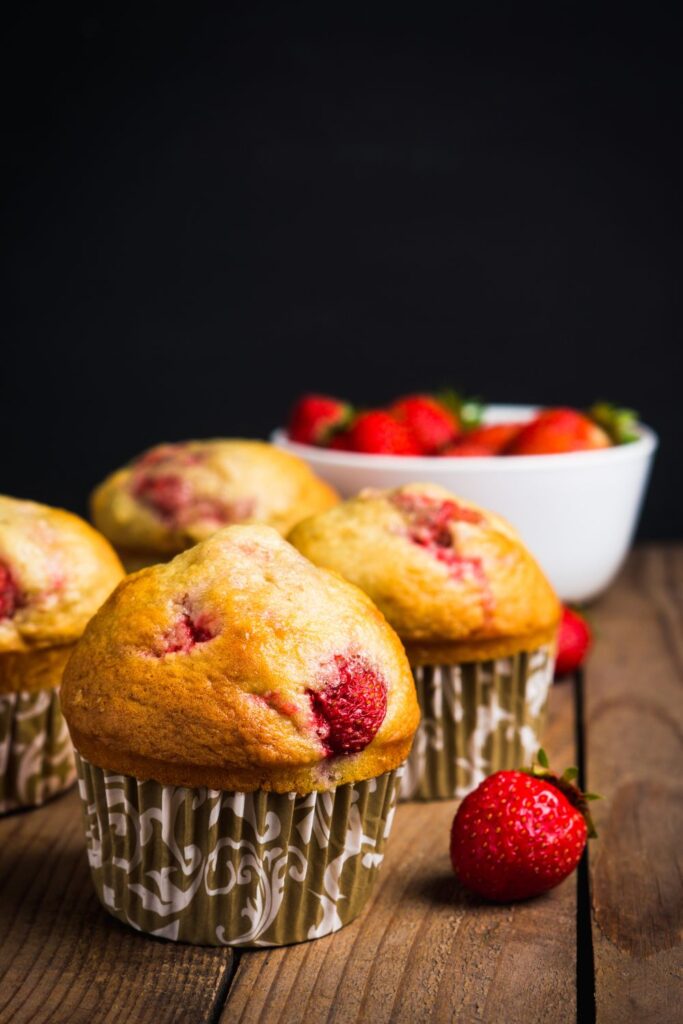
{"x":477,"y":718}
{"x":36,"y":756}
{"x":229,"y":868}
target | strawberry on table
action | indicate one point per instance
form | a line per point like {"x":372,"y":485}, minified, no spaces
{"x":315,"y":418}
{"x":520,"y":833}
{"x":432,"y":425}
{"x":378,"y":432}
{"x":554,"y":431}
{"x":574,"y":640}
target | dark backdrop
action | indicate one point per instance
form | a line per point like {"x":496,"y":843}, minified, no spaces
{"x":211,"y":211}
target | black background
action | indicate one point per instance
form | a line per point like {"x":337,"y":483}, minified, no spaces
{"x":211,"y":210}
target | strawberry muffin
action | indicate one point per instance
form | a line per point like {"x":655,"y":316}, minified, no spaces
{"x":175,"y":495}
{"x":241,"y":717}
{"x":476,"y":615}
{"x":55,"y":572}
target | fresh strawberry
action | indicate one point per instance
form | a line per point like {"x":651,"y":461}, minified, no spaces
{"x":380,"y":433}
{"x":340,"y":442}
{"x":495,"y":436}
{"x":573,"y":642}
{"x":315,"y":418}
{"x":466,"y":449}
{"x":520,"y":833}
{"x":432,"y":425}
{"x":558,"y":430}
{"x":487,"y":440}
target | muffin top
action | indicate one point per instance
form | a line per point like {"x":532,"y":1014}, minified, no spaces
{"x":55,"y":572}
{"x":240,"y":665}
{"x":175,"y":495}
{"x":455,"y":581}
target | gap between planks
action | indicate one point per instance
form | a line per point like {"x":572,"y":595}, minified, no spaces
{"x":634,"y":752}
{"x":63,"y":960}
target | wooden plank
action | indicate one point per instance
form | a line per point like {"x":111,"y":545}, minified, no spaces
{"x":424,"y":950}
{"x":62,"y":958}
{"x":634,"y":734}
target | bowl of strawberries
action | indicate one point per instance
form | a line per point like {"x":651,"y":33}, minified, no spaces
{"x":571,"y":482}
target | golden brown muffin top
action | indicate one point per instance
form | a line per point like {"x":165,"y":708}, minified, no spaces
{"x":455,"y":581}
{"x":55,"y":572}
{"x":175,"y":495}
{"x":240,"y":665}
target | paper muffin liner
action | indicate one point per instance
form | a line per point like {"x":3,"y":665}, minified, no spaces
{"x":36,"y":756}
{"x":478,"y":717}
{"x":229,"y":868}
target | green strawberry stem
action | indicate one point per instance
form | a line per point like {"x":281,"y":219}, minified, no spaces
{"x":340,"y":426}
{"x":470,"y":411}
{"x":620,"y":424}
{"x":540,"y":769}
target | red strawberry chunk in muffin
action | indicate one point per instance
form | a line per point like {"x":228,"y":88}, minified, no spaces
{"x":158,"y":483}
{"x":166,"y":494}
{"x":9,"y":593}
{"x":177,"y":453}
{"x":350,"y":707}
{"x":429,"y":519}
{"x":429,"y":524}
{"x":277,"y":702}
{"x":185,"y":634}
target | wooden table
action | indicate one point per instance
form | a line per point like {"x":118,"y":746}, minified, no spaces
{"x":605,"y":945}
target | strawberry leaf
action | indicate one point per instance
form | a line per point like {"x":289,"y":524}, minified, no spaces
{"x":469,"y":411}
{"x":620,"y":424}
{"x":540,"y":769}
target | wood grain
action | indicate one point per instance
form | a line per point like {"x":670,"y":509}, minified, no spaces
{"x":423,"y":950}
{"x":634,"y":735}
{"x":63,"y":960}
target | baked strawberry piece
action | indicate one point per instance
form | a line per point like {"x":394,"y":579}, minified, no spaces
{"x":350,"y":708}
{"x":520,"y":833}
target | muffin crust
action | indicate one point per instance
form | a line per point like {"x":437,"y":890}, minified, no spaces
{"x":55,"y":572}
{"x":455,"y":581}
{"x":175,"y":495}
{"x":240,"y":665}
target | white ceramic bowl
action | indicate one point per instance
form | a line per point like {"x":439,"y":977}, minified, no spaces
{"x":576,"y":512}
